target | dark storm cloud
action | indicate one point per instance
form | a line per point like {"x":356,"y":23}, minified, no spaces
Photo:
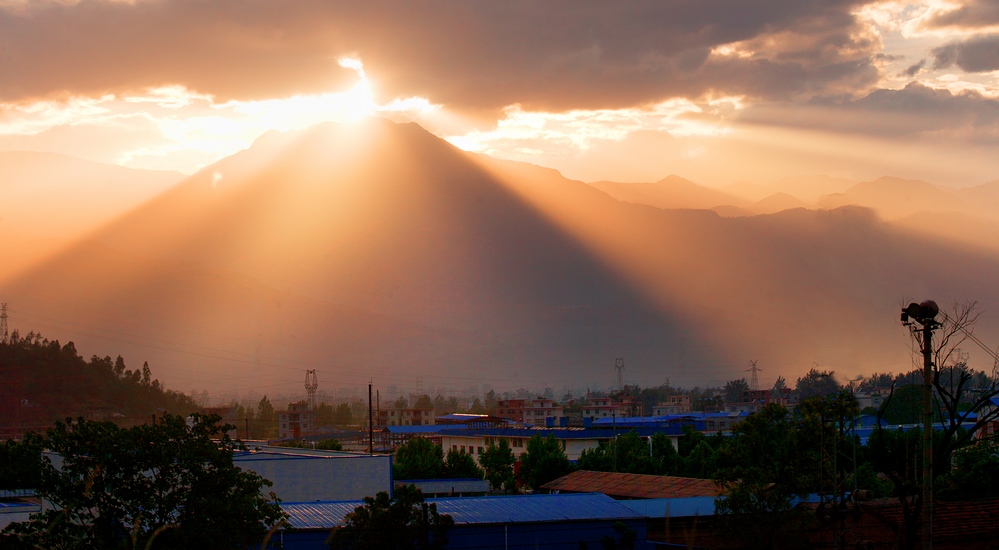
{"x":478,"y":54}
{"x":975,"y":55}
{"x":971,"y":14}
{"x":912,"y":112}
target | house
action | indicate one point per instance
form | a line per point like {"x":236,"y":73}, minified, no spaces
{"x":523,"y":522}
{"x":296,"y":421}
{"x":406,"y":417}
{"x":540,"y":410}
{"x":307,"y":474}
{"x":674,"y":404}
{"x":511,"y":409}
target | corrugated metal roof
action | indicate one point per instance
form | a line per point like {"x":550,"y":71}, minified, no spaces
{"x":478,"y":510}
{"x":621,"y":485}
{"x":418,"y":429}
{"x":533,"y":508}
{"x":564,"y":433}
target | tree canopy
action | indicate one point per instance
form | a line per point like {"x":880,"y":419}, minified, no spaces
{"x":167,"y":485}
{"x":403,"y":522}
{"x":544,"y":461}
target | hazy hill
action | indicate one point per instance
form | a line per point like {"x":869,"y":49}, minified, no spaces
{"x":808,"y":189}
{"x":894,"y":198}
{"x":49,"y":199}
{"x":670,"y":192}
{"x":380,"y":252}
{"x":778,"y":202}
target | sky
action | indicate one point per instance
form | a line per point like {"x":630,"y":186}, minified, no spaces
{"x":715,"y":91}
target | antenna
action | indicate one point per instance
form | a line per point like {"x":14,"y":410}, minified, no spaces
{"x":619,"y":365}
{"x":754,"y":383}
{"x":311,"y":385}
{"x":3,"y":323}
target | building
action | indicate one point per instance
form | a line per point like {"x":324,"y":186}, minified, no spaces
{"x":406,"y":417}
{"x":573,"y":440}
{"x":511,"y":409}
{"x":514,"y":522}
{"x":540,"y":410}
{"x":297,"y":421}
{"x":608,"y":407}
{"x":308,"y":475}
{"x":674,"y":404}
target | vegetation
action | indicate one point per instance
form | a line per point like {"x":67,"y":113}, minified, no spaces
{"x":544,"y":461}
{"x":169,"y":485}
{"x":459,"y":464}
{"x":418,"y":458}
{"x":405,"y":522}
{"x":45,"y":381}
{"x":498,"y":461}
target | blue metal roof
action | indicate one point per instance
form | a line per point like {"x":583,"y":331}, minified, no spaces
{"x":479,"y":510}
{"x":418,"y":429}
{"x":565,"y":433}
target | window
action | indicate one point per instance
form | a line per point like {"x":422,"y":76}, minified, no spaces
{"x":480,"y":450}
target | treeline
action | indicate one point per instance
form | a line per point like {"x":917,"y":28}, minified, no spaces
{"x":45,"y":381}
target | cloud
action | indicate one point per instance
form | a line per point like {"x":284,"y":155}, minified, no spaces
{"x":477,"y":54}
{"x":970,"y":14}
{"x":912,"y":113}
{"x":913,"y":69}
{"x":975,"y":55}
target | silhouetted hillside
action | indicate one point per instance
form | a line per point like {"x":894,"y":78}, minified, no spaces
{"x":380,"y":252}
{"x":45,"y":381}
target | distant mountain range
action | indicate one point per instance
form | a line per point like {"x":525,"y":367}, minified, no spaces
{"x":380,"y":252}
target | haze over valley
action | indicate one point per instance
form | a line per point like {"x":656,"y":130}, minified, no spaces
{"x":510,"y":197}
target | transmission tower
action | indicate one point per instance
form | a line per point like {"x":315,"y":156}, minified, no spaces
{"x":619,"y":365}
{"x":754,"y":379}
{"x":3,"y":323}
{"x":311,"y":385}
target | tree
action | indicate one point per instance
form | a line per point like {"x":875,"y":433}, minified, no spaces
{"x":460,"y":464}
{"x":20,"y":462}
{"x":419,"y":458}
{"x":544,"y":461}
{"x":401,"y":403}
{"x":816,"y":383}
{"x":424,"y":402}
{"x":962,"y":399}
{"x":343,"y":415}
{"x":761,"y":468}
{"x":733,"y":390}
{"x":626,"y":453}
{"x":498,"y":461}
{"x":405,"y":522}
{"x":164,"y":486}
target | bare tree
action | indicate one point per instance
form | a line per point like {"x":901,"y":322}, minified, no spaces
{"x":962,"y":400}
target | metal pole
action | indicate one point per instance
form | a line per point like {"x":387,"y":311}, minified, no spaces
{"x":927,"y":527}
{"x":371,"y":430}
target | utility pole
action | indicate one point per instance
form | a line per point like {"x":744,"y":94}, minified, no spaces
{"x":371,"y":430}
{"x":619,"y":365}
{"x":754,"y":383}
{"x":311,"y":385}
{"x":3,"y":324}
{"x":925,"y":315}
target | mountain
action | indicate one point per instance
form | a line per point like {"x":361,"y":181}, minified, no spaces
{"x":808,"y":189}
{"x":50,"y":199}
{"x":671,"y":192}
{"x":379,"y":252}
{"x":896,"y":197}
{"x":778,"y":202}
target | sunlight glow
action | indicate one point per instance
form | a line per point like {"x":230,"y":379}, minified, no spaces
{"x":535,"y":132}
{"x":172,"y":127}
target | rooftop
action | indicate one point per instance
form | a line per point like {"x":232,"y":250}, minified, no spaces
{"x":632,"y":486}
{"x":478,"y":510}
